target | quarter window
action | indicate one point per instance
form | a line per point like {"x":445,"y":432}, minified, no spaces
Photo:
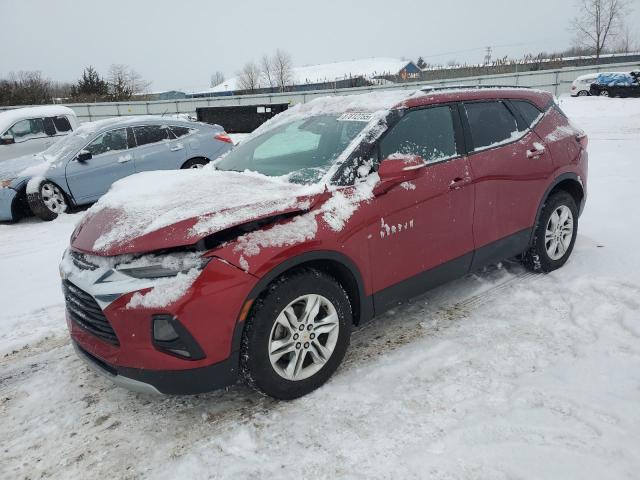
{"x":112,"y":141}
{"x":151,"y":134}
{"x":427,"y":132}
{"x":28,"y":129}
{"x":529,"y":112}
{"x":491,"y":124}
{"x":180,"y":131}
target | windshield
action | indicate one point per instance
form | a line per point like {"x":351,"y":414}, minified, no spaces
{"x":303,"y":150}
{"x":69,"y":144}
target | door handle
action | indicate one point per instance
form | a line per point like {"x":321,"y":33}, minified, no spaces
{"x":535,"y":152}
{"x":176,"y":147}
{"x":459,"y":182}
{"x":124,"y":158}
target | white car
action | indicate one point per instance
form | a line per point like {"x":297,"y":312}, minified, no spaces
{"x":24,"y":131}
{"x":581,"y":85}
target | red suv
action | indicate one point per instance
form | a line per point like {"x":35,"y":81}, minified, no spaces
{"x":329,"y":214}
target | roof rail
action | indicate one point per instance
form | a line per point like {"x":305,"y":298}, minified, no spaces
{"x":468,"y":87}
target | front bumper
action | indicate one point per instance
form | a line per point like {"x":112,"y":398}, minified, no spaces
{"x":208,"y":310}
{"x":168,"y":382}
{"x":7,"y":197}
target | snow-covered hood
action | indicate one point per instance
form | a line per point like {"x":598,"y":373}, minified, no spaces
{"x":10,"y":169}
{"x":164,"y":209}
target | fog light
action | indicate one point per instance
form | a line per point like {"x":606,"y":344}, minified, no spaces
{"x":170,"y":336}
{"x":163,"y":330}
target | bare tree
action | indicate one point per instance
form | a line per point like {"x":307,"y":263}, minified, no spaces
{"x":598,"y":22}
{"x":249,"y":77}
{"x":124,"y":82}
{"x":283,"y":69}
{"x":25,"y":88}
{"x":627,"y":41}
{"x":217,"y":78}
{"x":268,"y":70}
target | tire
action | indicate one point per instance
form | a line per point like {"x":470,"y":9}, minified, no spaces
{"x":552,"y":245}
{"x":195,"y":163}
{"x":604,"y":93}
{"x":583,"y":93}
{"x":270,"y":332}
{"x":48,"y":201}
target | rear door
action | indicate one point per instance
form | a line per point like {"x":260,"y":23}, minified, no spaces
{"x":423,"y":228}
{"x":158,"y":148}
{"x":111,"y":160}
{"x":511,"y":167}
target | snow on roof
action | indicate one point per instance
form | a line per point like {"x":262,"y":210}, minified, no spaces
{"x":9,"y":117}
{"x":327,"y":72}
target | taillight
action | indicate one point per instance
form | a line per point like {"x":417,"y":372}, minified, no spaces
{"x":583,"y":140}
{"x":223,"y":137}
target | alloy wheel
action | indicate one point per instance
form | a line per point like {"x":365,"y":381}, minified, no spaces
{"x":303,"y":337}
{"x":53,"y":198}
{"x":559,"y":232}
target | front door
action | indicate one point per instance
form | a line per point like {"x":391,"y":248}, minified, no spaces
{"x":423,"y":235}
{"x":110,"y":161}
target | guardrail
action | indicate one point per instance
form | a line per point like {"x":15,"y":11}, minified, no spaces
{"x":556,"y":81}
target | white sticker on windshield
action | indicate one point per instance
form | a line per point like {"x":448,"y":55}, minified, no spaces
{"x":356,"y":117}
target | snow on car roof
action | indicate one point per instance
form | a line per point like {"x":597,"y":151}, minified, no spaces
{"x":9,"y":117}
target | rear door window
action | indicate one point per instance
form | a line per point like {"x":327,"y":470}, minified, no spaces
{"x":62,"y":124}
{"x":149,"y":134}
{"x":427,"y":132}
{"x":491,"y":124}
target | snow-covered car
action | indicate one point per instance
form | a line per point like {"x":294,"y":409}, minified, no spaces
{"x":581,"y":85}
{"x":81,"y":167}
{"x":29,"y":130}
{"x":330,"y":213}
{"x":617,"y":85}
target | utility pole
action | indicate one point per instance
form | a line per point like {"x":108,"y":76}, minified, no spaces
{"x":487,"y":57}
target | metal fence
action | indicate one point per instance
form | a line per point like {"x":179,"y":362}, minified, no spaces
{"x":555,"y":81}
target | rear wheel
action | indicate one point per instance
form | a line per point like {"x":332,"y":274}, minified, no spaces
{"x":48,"y":201}
{"x":195,"y":163}
{"x":555,"y":234}
{"x":296,"y":335}
{"x":604,"y":93}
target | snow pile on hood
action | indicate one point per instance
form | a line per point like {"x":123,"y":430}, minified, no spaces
{"x":149,"y":201}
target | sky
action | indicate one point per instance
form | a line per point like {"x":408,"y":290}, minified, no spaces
{"x":179,"y":44}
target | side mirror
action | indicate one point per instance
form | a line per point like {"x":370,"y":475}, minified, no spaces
{"x":397,"y":169}
{"x":84,"y":155}
{"x":7,"y":139}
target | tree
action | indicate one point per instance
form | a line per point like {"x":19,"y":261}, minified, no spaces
{"x":217,"y":78}
{"x":283,"y":69}
{"x":420,"y":63}
{"x":268,"y":70}
{"x":91,"y":86}
{"x":25,"y":88}
{"x":598,"y":22}
{"x":249,"y":77}
{"x":124,"y":82}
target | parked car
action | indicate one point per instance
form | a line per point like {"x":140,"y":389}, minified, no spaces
{"x":330,"y":213}
{"x":617,"y":85}
{"x":25,"y":131}
{"x":581,"y":85}
{"x":80,"y":168}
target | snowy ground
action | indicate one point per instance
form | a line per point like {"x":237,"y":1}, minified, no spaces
{"x":500,"y":375}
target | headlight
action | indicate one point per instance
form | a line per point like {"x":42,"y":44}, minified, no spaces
{"x":160,"y":266}
{"x":5,"y":183}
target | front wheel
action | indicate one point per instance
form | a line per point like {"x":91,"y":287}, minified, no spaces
{"x":48,"y":201}
{"x":604,"y":93}
{"x":583,"y":93}
{"x":195,"y":163}
{"x":296,"y":335}
{"x":554,"y":235}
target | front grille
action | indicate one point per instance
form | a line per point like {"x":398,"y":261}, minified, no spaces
{"x":80,"y":260}
{"x":87,"y":314}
